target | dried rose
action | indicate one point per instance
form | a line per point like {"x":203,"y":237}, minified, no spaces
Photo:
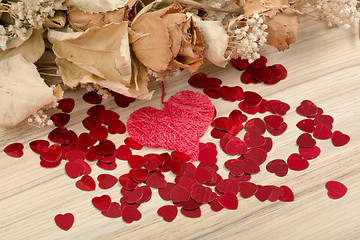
{"x":171,"y":36}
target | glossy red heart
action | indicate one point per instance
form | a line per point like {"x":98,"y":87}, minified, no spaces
{"x":74,"y":169}
{"x":131,"y":143}
{"x":156,"y":180}
{"x":306,"y":125}
{"x":256,"y":154}
{"x":339,"y":139}
{"x":191,"y":213}
{"x":64,"y":221}
{"x":105,"y":148}
{"x":305,"y":140}
{"x":276,"y":193}
{"x":14,"y":150}
{"x":127,"y":182}
{"x":203,"y":175}
{"x":117,"y":126}
{"x":51,"y":154}
{"x":233,"y":126}
{"x":130,"y":213}
{"x":307,"y":109}
{"x":207,"y":155}
{"x":237,"y":115}
{"x":288,"y":195}
{"x":235,"y":146}
{"x":75,"y":155}
{"x":322,"y":132}
{"x":256,"y":125}
{"x":107,"y":116}
{"x":100,"y":133}
{"x":279,"y":131}
{"x":90,"y":123}
{"x":263,"y":193}
{"x":215,"y":206}
{"x":123,"y":101}
{"x":335,"y":189}
{"x":114,"y":211}
{"x":198,"y":80}
{"x":106,"y":181}
{"x":66,"y":105}
{"x":227,"y":185}
{"x":273,"y":121}
{"x":296,"y":162}
{"x":179,"y":194}
{"x":92,"y":98}
{"x":86,"y":141}
{"x":309,"y":153}
{"x":185,"y":117}
{"x":38,"y":146}
{"x":247,"y":189}
{"x":102,"y":203}
{"x":229,"y":201}
{"x":277,"y":166}
{"x":324,"y":119}
{"x":60,"y":119}
{"x":86,"y":183}
{"x":251,"y":99}
{"x":168,"y":212}
{"x":253,"y":139}
{"x":202,"y":194}
{"x":132,"y":196}
{"x":123,"y":152}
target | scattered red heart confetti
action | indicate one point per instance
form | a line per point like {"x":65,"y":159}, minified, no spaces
{"x":307,"y":109}
{"x":263,"y":193}
{"x":105,"y":148}
{"x":102,"y":203}
{"x":168,"y":212}
{"x":95,"y":111}
{"x":130,"y":213}
{"x":74,"y":169}
{"x":322,"y":132}
{"x":122,"y":100}
{"x":14,"y":150}
{"x":64,"y":221}
{"x":114,"y":211}
{"x":277,"y":166}
{"x":256,"y":125}
{"x":92,"y":98}
{"x":339,"y":139}
{"x":309,"y":153}
{"x":306,"y":125}
{"x":38,"y":146}
{"x":106,"y":181}
{"x":335,"y":189}
{"x":60,"y":119}
{"x":66,"y":105}
{"x":251,"y":99}
{"x":229,"y":201}
{"x":253,"y":139}
{"x":100,"y":133}
{"x":305,"y":140}
{"x":276,"y":132}
{"x":116,"y":126}
{"x":324,"y":119}
{"x":274,"y":121}
{"x":297,"y":163}
{"x":191,"y":213}
{"x":90,"y":123}
{"x":86,"y":183}
{"x":239,"y":64}
{"x":247,"y":189}
{"x":198,"y":80}
{"x":130,"y":142}
{"x":288,"y":195}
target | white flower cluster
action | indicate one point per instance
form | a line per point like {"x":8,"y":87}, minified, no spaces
{"x":339,"y":13}
{"x":26,"y":15}
{"x":245,"y":41}
{"x":40,"y":119}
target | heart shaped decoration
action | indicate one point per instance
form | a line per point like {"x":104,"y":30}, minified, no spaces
{"x":247,"y":189}
{"x":66,"y":105}
{"x":168,"y":212}
{"x":339,"y":139}
{"x":106,"y":181}
{"x":288,"y":195}
{"x":335,"y":189}
{"x":179,"y":194}
{"x":277,"y":166}
{"x":297,"y":163}
{"x":86,"y":183}
{"x":305,"y":140}
{"x":14,"y":150}
{"x":322,"y":132}
{"x":179,"y":126}
{"x":202,"y":194}
{"x":130,"y":213}
{"x":64,"y":221}
{"x":309,"y":153}
{"x":306,"y":125}
{"x":307,"y":109}
{"x":229,"y":201}
{"x":102,"y":203}
{"x":114,"y":211}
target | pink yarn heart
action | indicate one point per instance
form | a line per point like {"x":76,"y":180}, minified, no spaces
{"x":179,"y":126}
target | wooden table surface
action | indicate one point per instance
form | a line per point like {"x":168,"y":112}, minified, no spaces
{"x":323,"y":66}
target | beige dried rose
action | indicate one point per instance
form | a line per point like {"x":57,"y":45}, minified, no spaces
{"x":282,"y":21}
{"x":170,"y":39}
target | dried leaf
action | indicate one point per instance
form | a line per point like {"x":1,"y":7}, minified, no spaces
{"x":282,"y":29}
{"x":81,"y":21}
{"x":54,"y":35}
{"x":95,"y":6}
{"x":103,"y":51}
{"x":216,"y":41}
{"x":16,"y":42}
{"x":32,"y":49}
{"x":21,"y":92}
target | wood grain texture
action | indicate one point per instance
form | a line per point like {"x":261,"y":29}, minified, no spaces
{"x":323,"y":66}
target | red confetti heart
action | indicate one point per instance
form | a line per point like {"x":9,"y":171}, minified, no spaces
{"x":305,"y":140}
{"x":227,"y":185}
{"x":106,"y":181}
{"x":132,"y":196}
{"x":146,"y":194}
{"x":203,"y":175}
{"x":297,"y":163}
{"x":275,"y":193}
{"x":59,"y":135}
{"x":251,"y":99}
{"x":14,"y":150}
{"x":248,"y":109}
{"x":198,"y":80}
{"x":217,"y":134}
{"x":306,"y":125}
{"x":165,"y":193}
{"x":138,"y":176}
{"x":237,"y":115}
{"x":213,"y":82}
{"x":202,"y":194}
{"x":107,"y":116}
{"x":90,"y":123}
{"x":153,"y":161}
{"x":95,"y":111}
{"x":277,"y":166}
{"x":247,"y":189}
{"x":335,"y":189}
{"x":219,"y":123}
{"x":38,"y":146}
{"x":256,"y":154}
{"x":239,"y":64}
{"x":307,"y":109}
{"x":255,"y":125}
{"x":231,"y":93}
{"x":100,"y":133}
{"x":91,"y":155}
{"x":117,"y":126}
{"x":64,"y":221}
{"x":235,"y":146}
{"x":322,"y":132}
{"x":274,"y":121}
{"x":277,"y":107}
{"x":123,"y":101}
{"x":66,"y":105}
{"x":191,"y":213}
{"x":324,"y":119}
{"x":268,"y":144}
{"x":74,"y":169}
{"x":136,"y":162}
{"x":215,"y":206}
{"x":276,"y":132}
{"x":179,"y":194}
{"x":75,"y":155}
{"x":114,"y":211}
{"x":86,"y":141}
{"x":123,"y":152}
{"x":288,"y":195}
{"x":127,"y":182}
{"x":60,"y":119}
{"x":130,"y":142}
{"x":92,"y":98}
{"x":105,"y":148}
{"x":263,"y":193}
{"x":156,"y":180}
{"x":102,"y":203}
{"x":130,"y":213}
{"x":233,"y":126}
{"x":106,"y":166}
{"x":168,"y":212}
{"x":253,"y":139}
{"x":213,"y":92}
{"x":86,"y":183}
{"x":208,"y":155}
{"x":339,"y":139}
{"x":229,"y":201}
{"x":51,"y":154}
{"x":309,"y":153}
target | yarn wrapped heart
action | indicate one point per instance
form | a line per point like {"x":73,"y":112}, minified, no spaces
{"x":179,"y":126}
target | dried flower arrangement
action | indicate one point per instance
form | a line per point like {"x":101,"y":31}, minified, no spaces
{"x":109,"y":45}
